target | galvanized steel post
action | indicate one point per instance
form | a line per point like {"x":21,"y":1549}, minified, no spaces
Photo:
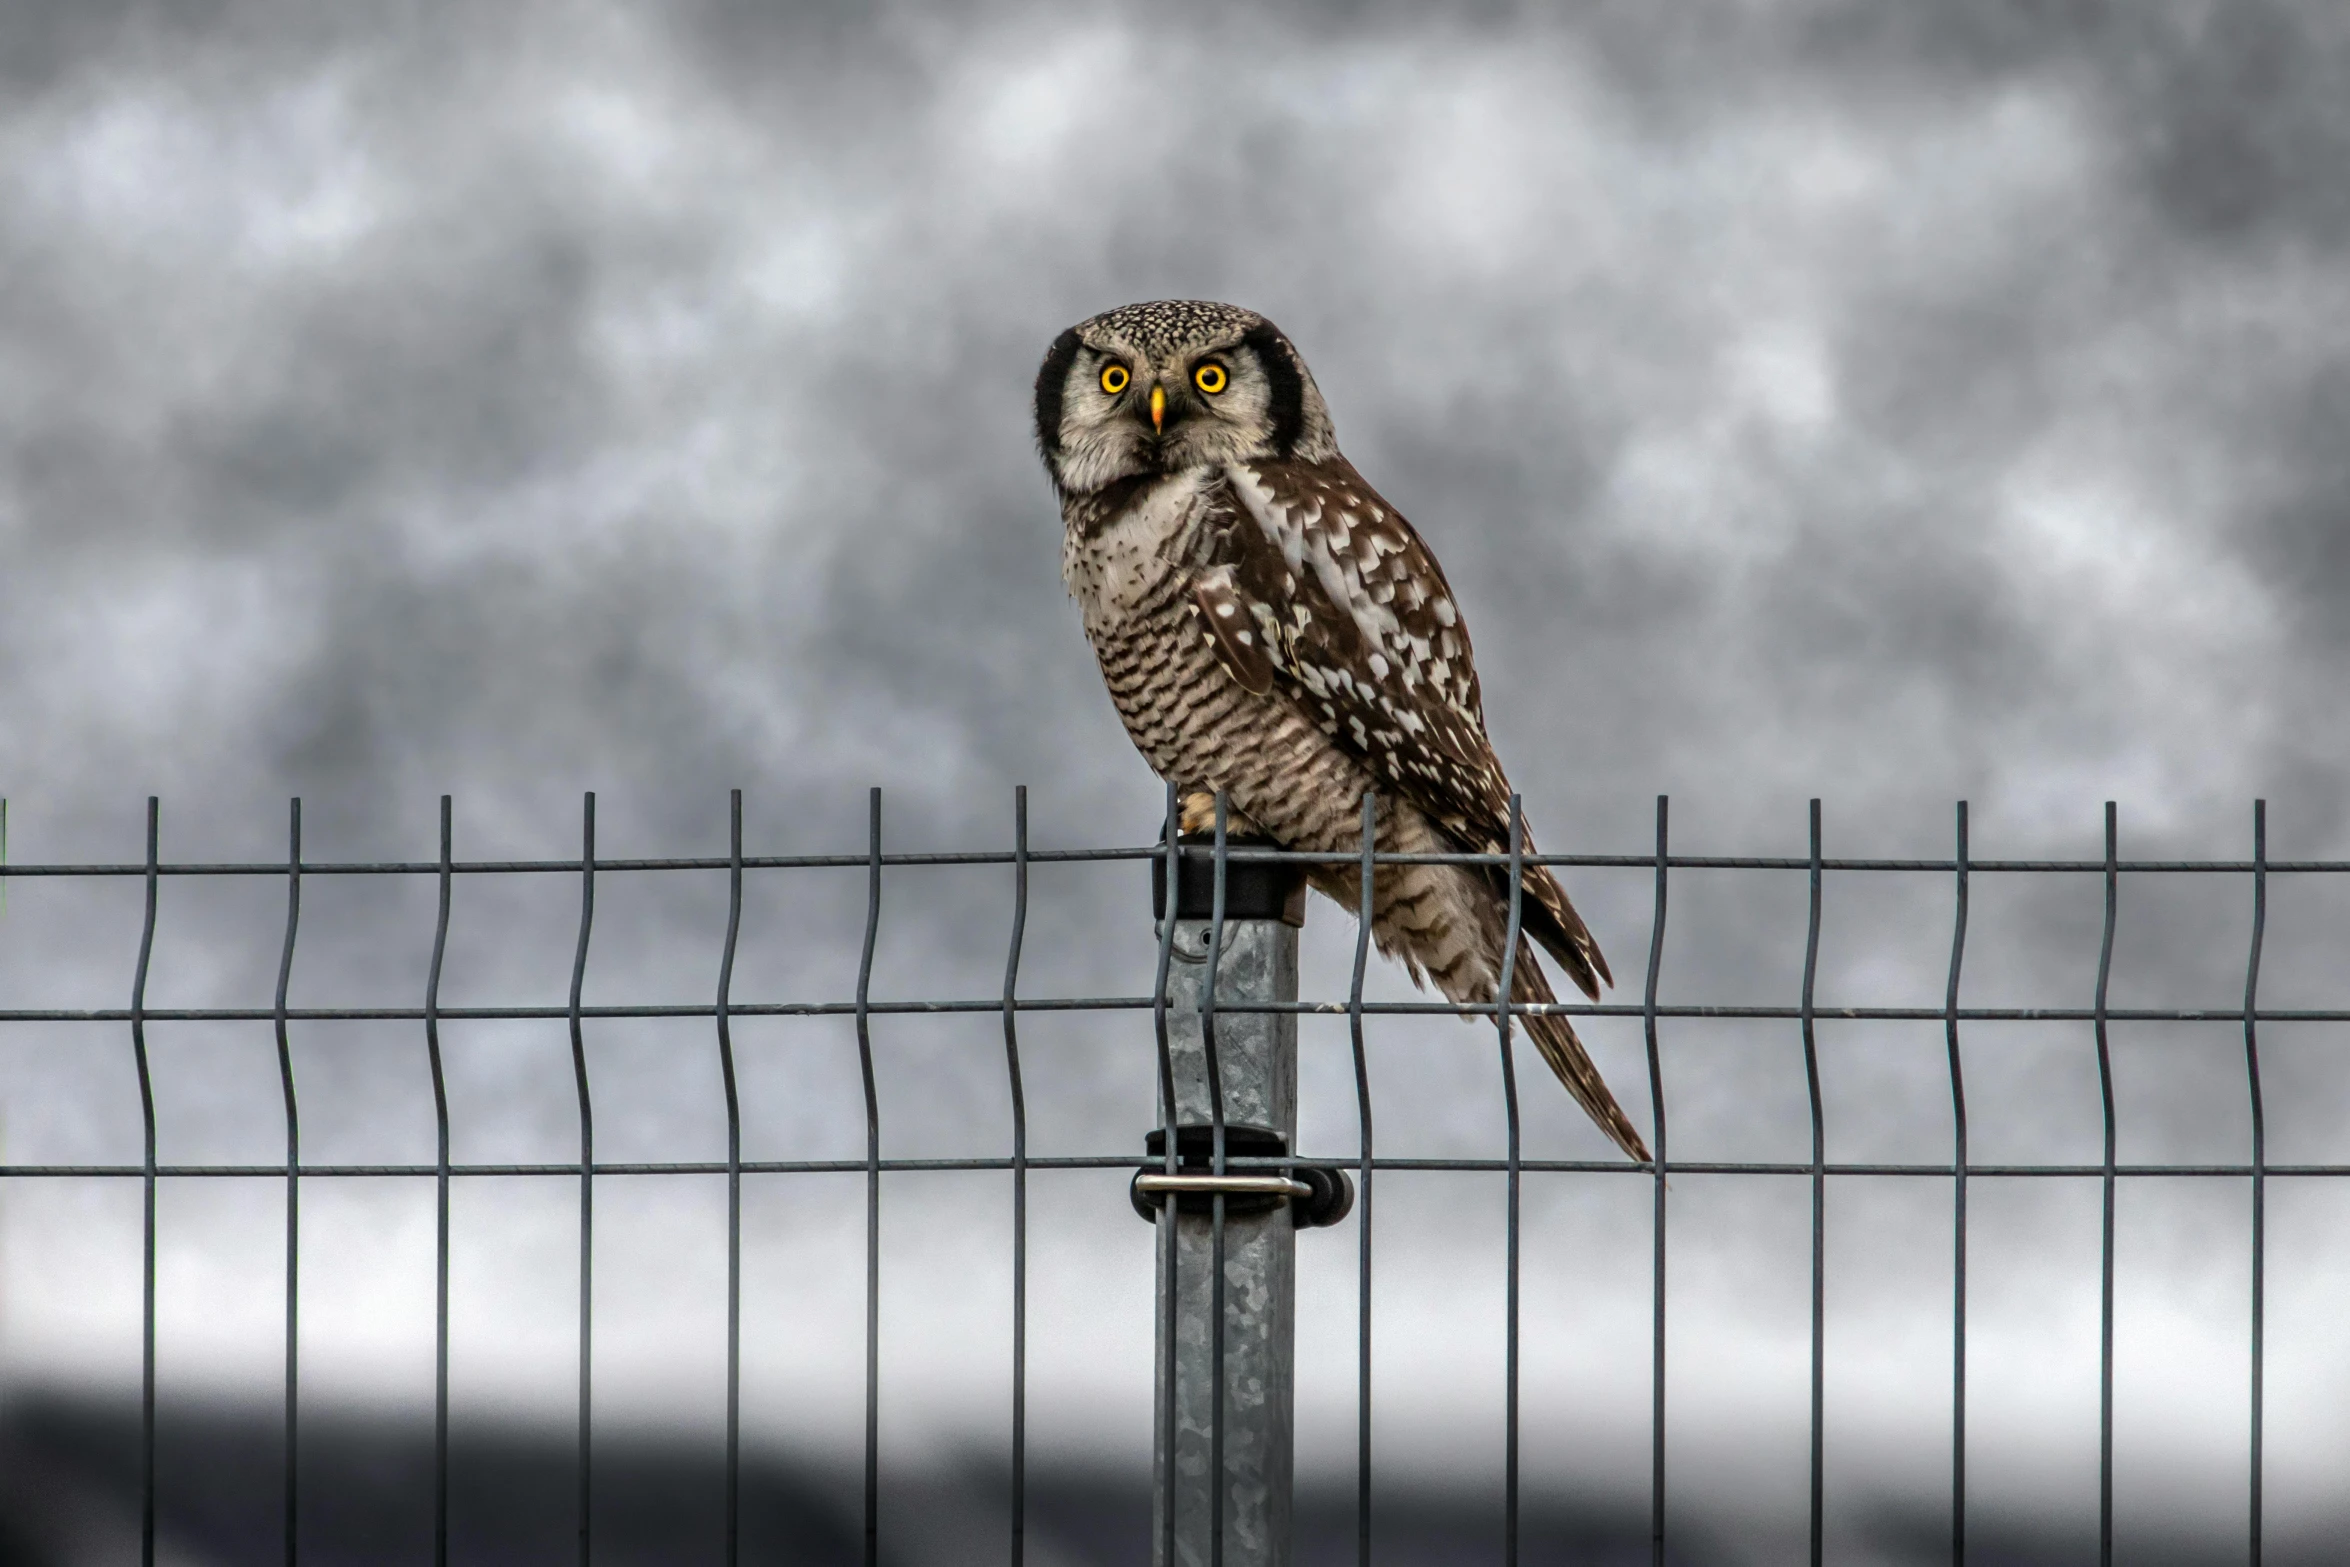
{"x":1248,"y":1427}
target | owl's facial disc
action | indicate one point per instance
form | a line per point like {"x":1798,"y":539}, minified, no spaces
{"x":1173,"y":386}
{"x":1134,"y":409}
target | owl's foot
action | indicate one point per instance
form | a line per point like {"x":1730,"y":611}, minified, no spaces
{"x":1199,"y":815}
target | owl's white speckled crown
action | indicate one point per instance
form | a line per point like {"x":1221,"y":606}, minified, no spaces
{"x":1162,"y":326}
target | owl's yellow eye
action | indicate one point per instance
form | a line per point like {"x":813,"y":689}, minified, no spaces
{"x":1210,"y":378}
{"x":1114,"y":379}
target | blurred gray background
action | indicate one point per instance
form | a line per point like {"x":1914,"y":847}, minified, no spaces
{"x":1894,"y":404}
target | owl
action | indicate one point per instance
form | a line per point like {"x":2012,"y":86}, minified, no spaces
{"x":1269,"y":627}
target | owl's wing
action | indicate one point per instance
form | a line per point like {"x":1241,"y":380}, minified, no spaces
{"x":1355,"y":616}
{"x":1351,"y":612}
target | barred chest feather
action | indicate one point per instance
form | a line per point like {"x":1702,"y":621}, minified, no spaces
{"x":1130,"y":562}
{"x":1120,"y":550}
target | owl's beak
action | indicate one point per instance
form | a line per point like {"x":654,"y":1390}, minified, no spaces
{"x":1158,"y":409}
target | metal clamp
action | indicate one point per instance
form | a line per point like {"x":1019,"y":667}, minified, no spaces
{"x":1150,"y":1184}
{"x":1317,"y":1195}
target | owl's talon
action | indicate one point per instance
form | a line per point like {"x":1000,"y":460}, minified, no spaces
{"x":1198,"y":815}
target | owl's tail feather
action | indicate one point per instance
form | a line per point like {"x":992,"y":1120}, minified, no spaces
{"x":1552,"y":920}
{"x":1448,"y":928}
{"x":1554,"y":1036}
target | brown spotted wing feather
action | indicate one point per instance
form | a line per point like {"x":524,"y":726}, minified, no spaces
{"x":1342,"y":604}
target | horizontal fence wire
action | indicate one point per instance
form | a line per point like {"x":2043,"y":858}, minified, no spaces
{"x":726,"y":1009}
{"x":1240,"y":1162}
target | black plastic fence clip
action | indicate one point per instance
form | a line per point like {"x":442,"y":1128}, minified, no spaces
{"x":1318,"y":1195}
{"x":1253,"y":889}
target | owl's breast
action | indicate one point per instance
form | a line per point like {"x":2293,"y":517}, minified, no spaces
{"x":1118,"y":558}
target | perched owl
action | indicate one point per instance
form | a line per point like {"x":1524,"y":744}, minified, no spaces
{"x":1269,"y":627}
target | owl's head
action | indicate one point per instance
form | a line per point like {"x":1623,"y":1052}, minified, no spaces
{"x":1172,"y":384}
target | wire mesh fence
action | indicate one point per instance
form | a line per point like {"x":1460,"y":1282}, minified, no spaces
{"x":1225,"y":864}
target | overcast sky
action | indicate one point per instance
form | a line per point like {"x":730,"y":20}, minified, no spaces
{"x":1889,"y":404}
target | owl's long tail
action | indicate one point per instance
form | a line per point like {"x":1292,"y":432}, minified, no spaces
{"x":1554,"y":1036}
{"x":1448,"y":928}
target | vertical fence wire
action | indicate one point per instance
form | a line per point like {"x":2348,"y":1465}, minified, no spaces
{"x":2105,"y":1283}
{"x":1819,"y":1209}
{"x":440,"y":1111}
{"x":1958,"y":1219}
{"x":587,"y":1179}
{"x":2259,"y":1163}
{"x":147,"y":1263}
{"x":734,"y":1180}
{"x":864,"y":1017}
{"x":1503,"y":992}
{"x":285,"y":1073}
{"x":1019,"y":1178}
{"x":1656,"y":1111}
{"x":1169,"y":1252}
{"x":1210,"y":1055}
{"x":1354,"y":1027}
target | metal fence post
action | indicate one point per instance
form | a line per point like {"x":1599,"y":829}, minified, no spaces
{"x":1249,"y":1426}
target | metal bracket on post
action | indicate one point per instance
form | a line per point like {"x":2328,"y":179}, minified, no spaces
{"x":1317,"y":1195}
{"x":1264,"y":1201}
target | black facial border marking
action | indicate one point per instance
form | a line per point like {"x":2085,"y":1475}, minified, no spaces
{"x":1287,"y":403}
{"x":1052,"y":380}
